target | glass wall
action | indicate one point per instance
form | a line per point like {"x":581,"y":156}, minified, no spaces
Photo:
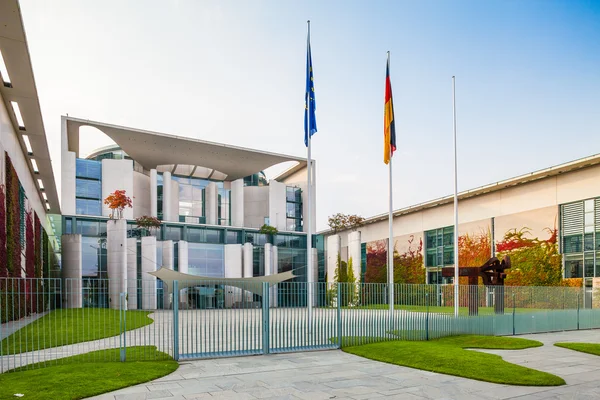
{"x":580,"y":238}
{"x":206,"y":259}
{"x":439,"y":252}
{"x":88,"y":187}
{"x":258,"y":179}
{"x":294,"y":209}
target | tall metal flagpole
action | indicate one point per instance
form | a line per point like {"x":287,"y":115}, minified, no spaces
{"x":309,"y":266}
{"x":391,"y":236}
{"x":455,"y":204}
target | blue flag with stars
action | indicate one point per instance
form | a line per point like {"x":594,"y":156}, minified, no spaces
{"x":309,"y":98}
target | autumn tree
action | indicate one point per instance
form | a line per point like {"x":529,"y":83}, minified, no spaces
{"x":117,"y":201}
{"x":341,"y":222}
{"x":148,"y":223}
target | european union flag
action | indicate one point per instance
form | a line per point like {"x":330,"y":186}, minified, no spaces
{"x":309,"y":98}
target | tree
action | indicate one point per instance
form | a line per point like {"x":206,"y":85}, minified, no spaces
{"x":148,"y":223}
{"x":341,"y":222}
{"x":268,"y":230}
{"x":117,"y":201}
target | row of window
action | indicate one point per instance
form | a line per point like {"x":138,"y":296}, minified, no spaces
{"x":192,"y":234}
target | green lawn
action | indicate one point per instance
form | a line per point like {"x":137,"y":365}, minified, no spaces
{"x":62,"y":327}
{"x":590,"y":348}
{"x":450,"y":356}
{"x":77,"y":378}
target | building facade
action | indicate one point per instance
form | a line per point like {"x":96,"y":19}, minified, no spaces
{"x":28,"y":198}
{"x":212,"y":200}
{"x":547,"y":221}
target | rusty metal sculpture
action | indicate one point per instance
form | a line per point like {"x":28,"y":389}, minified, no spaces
{"x":492,"y":272}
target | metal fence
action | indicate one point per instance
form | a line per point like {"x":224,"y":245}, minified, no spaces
{"x":50,"y":321}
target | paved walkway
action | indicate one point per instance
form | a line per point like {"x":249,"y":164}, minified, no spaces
{"x":338,"y":375}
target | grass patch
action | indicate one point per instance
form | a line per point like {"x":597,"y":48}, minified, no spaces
{"x":74,"y":378}
{"x":590,"y":348}
{"x":76,"y":325}
{"x":449,"y":356}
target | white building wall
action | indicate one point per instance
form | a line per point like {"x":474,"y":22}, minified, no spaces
{"x":211,"y":199}
{"x":68,"y":169}
{"x":132,"y":274}
{"x":248,"y":260}
{"x":256,"y":206}
{"x":174,"y":201}
{"x":277,"y":205}
{"x":237,"y":203}
{"x":153,"y":193}
{"x":141,"y":195}
{"x":333,"y":249}
{"x":167,"y":262}
{"x":117,"y":175}
{"x":72,"y":259}
{"x":183,"y":267}
{"x":9,"y":142}
{"x":149,"y":265}
{"x":116,"y":249}
{"x":167,"y":196}
{"x":233,"y":269}
{"x":354,"y":253}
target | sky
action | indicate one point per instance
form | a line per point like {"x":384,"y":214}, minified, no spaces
{"x":527,"y":84}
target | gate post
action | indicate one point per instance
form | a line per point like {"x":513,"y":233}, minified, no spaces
{"x":265,"y":317}
{"x":176,"y":320}
{"x":123,"y":323}
{"x":339,"y":316}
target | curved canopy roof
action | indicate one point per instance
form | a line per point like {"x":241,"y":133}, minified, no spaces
{"x":253,"y":284}
{"x":153,"y":149}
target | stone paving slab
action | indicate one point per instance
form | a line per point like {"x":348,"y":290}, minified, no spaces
{"x":334,"y":374}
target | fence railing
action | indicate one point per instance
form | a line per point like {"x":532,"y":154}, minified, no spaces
{"x":50,"y":321}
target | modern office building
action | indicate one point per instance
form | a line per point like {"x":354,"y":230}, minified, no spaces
{"x":28,"y":197}
{"x":212,"y":199}
{"x":555,"y":211}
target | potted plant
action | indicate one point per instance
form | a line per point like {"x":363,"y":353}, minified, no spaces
{"x":147,"y":224}
{"x":117,"y":201}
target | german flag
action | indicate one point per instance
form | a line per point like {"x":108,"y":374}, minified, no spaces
{"x":389,"y":129}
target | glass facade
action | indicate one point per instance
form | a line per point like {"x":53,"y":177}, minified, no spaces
{"x":580,"y":238}
{"x":293,"y":197}
{"x":88,"y":187}
{"x":258,"y":179}
{"x":439,"y":252}
{"x":206,"y":259}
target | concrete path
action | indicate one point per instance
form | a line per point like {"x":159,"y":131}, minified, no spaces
{"x":338,"y":375}
{"x":8,"y":328}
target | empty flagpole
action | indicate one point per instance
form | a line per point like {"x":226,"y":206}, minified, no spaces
{"x":391,"y":233}
{"x":455,"y":204}
{"x":309,"y":266}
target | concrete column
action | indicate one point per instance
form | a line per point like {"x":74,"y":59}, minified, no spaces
{"x":354,"y":253}
{"x":248,"y":260}
{"x":174,"y":201}
{"x":68,"y":168}
{"x":117,"y":175}
{"x":315,"y":277}
{"x":273,"y":301}
{"x":211,"y":197}
{"x":71,"y":270}
{"x":269,"y":270}
{"x":116,"y":249}
{"x":333,"y":250}
{"x":233,"y":269}
{"x":277,"y":205}
{"x":166,"y":203}
{"x":237,"y":203}
{"x":148,"y":265}
{"x":132,"y":274}
{"x":153,"y":193}
{"x":167,"y":262}
{"x":183,"y":268}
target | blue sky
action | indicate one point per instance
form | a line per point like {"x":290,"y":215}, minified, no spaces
{"x":528,"y":83}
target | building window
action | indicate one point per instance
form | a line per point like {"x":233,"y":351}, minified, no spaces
{"x":580,"y":238}
{"x":293,"y":197}
{"x":258,"y":179}
{"x":439,"y":247}
{"x":206,"y":259}
{"x":88,"y":187}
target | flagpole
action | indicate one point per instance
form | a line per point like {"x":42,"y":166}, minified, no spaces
{"x":309,"y":266}
{"x":391,"y":235}
{"x":456,"y":265}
